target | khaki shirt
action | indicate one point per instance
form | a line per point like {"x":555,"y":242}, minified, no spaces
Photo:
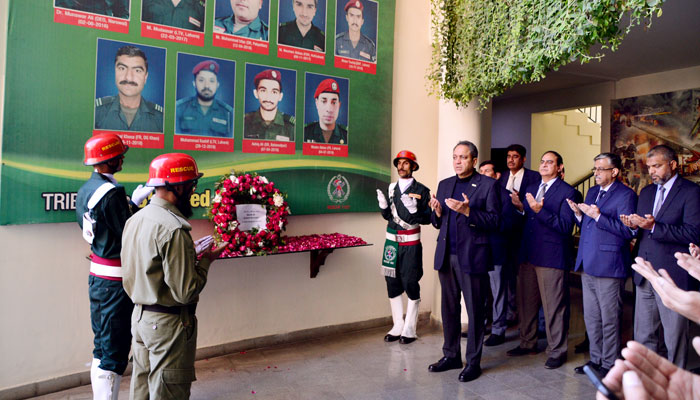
{"x":159,"y":264}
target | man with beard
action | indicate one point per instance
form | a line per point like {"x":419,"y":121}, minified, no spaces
{"x":267,"y":122}
{"x":402,"y":259}
{"x":102,"y":209}
{"x":164,"y":272}
{"x":244,"y":21}
{"x":301,"y":32}
{"x":353,"y":43}
{"x":185,"y":14}
{"x":326,"y":130}
{"x":666,"y":221}
{"x":129,"y":111}
{"x":203,"y":114}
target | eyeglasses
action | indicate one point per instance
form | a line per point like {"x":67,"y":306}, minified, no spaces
{"x":601,"y":169}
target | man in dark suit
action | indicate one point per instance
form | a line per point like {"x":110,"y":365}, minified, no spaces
{"x":604,"y":255}
{"x":666,"y":221}
{"x":545,"y":255}
{"x":518,"y":177}
{"x":466,"y":210}
{"x":499,"y":248}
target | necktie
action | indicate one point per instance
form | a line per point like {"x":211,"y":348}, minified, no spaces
{"x":659,"y":200}
{"x":511,"y":183}
{"x":540,"y":193}
{"x":601,"y":194}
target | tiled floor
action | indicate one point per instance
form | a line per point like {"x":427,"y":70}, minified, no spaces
{"x":361,"y":366}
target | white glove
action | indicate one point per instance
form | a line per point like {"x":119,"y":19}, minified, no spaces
{"x":203,"y":243}
{"x":381,"y":199}
{"x":410,"y":203}
{"x":140,"y":194}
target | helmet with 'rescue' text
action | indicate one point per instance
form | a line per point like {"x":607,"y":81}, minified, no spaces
{"x":103,"y":147}
{"x":409,"y":156}
{"x":172,"y":169}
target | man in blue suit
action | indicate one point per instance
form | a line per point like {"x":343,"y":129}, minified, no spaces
{"x":545,"y":255}
{"x":517,"y":178}
{"x":604,"y":255}
{"x":466,"y":210}
{"x":666,"y":221}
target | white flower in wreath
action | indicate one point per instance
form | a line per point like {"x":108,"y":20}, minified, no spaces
{"x":281,"y":224}
{"x":278,"y":199}
{"x":249,"y":252}
{"x":233,"y":179}
{"x":252,"y":191}
{"x":260,"y":244}
{"x":264,"y":180}
{"x":232,"y":225}
{"x":217,"y":198}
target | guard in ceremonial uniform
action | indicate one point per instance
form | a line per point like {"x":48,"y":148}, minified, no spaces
{"x":301,"y":32}
{"x":268,"y":122}
{"x":102,"y":209}
{"x":129,"y":111}
{"x":353,"y":43}
{"x":109,"y":115}
{"x":112,"y":8}
{"x":204,"y":114}
{"x":164,"y":272}
{"x":187,"y":14}
{"x":244,"y":21}
{"x":402,"y":258}
{"x":326,"y":130}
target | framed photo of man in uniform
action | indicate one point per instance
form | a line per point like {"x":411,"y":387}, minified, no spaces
{"x":205,"y":96}
{"x":356,"y":35}
{"x":326,"y":115}
{"x":186,"y":14}
{"x":130,"y":91}
{"x":302,"y":24}
{"x":245,"y":18}
{"x":270,"y":109}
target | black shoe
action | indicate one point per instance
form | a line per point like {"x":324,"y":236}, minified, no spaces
{"x":495,"y":340}
{"x":579,"y":369}
{"x":555,"y":362}
{"x":520,"y":351}
{"x":469,"y":373}
{"x":445,"y":364}
{"x":582,"y":347}
{"x":406,"y":340}
{"x":391,"y":338}
{"x":541,"y":334}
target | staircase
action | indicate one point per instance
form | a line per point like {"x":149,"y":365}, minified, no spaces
{"x":586,"y":120}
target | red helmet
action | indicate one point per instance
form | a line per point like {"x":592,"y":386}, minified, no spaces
{"x":409,"y":156}
{"x":103,"y":147}
{"x":172,"y":169}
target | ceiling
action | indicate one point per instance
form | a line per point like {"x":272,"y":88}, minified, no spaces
{"x":671,"y":42}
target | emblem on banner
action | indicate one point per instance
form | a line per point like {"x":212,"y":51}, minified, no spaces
{"x":338,"y":189}
{"x":389,"y":253}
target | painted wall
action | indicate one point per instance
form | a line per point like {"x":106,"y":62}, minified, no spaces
{"x":43,"y":272}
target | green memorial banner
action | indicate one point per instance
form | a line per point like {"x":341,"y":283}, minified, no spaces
{"x":297,"y":90}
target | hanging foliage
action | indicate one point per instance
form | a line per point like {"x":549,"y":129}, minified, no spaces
{"x":483,"y":47}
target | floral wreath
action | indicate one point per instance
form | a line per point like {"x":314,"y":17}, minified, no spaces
{"x":232,"y":190}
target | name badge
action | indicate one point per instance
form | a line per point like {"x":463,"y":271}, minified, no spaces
{"x":219,"y":121}
{"x":365,"y":55}
{"x":414,"y":195}
{"x":195,"y":22}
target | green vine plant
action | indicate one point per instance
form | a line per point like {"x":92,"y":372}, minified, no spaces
{"x":483,"y":47}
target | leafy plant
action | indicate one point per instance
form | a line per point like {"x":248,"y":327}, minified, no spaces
{"x":483,"y":47}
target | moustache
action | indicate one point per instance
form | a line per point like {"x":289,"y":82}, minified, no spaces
{"x":132,"y":83}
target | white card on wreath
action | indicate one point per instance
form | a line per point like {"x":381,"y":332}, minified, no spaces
{"x":251,"y":216}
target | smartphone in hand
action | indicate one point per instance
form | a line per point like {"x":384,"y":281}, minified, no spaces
{"x":598,"y":383}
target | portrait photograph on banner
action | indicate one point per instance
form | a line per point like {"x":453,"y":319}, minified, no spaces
{"x":242,"y":25}
{"x":204,"y":108}
{"x":302,"y":30}
{"x":269,"y":122}
{"x":130,"y":92}
{"x":326,"y":115}
{"x":110,"y":16}
{"x":180,"y":22}
{"x":356,"y":35}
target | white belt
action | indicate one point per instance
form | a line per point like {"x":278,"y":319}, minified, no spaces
{"x":403,"y":238}
{"x":105,"y":270}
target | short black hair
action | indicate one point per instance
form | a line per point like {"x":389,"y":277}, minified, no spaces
{"x":519,"y":148}
{"x":665,"y":151}
{"x":613,"y":158}
{"x":488,"y":162}
{"x":131,"y":51}
{"x":560,"y":159}
{"x":472,"y":148}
